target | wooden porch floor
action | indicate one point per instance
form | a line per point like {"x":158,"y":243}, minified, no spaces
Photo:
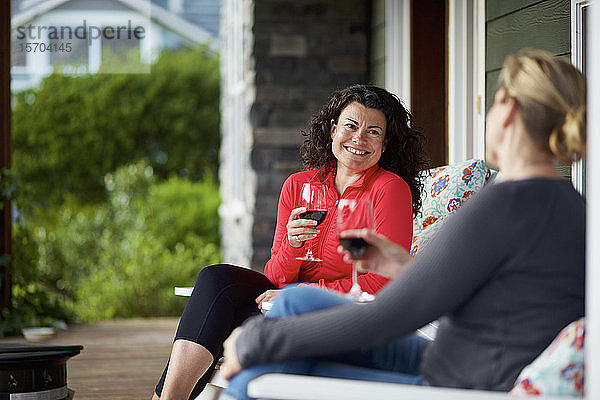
{"x":120,"y":360}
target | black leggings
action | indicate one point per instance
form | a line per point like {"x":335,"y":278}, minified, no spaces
{"x":223,"y":297}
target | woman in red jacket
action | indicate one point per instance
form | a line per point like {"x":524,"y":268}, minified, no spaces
{"x":361,"y":143}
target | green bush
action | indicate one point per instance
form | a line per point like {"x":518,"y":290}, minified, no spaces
{"x":160,"y":236}
{"x":97,"y":236}
{"x":120,"y":258}
{"x":180,"y":217}
{"x":32,"y":305}
{"x":138,"y":277}
{"x":35,"y":301}
{"x":72,"y":131}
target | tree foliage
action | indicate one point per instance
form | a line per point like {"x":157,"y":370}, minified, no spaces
{"x":114,"y":191}
{"x":72,"y":131}
{"x":120,"y":258}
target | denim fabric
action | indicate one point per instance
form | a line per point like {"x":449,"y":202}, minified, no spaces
{"x":397,"y":362}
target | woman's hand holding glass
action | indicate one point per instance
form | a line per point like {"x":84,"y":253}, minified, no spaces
{"x":354,"y":215}
{"x":381,"y":256}
{"x":299,"y":229}
{"x":313,"y":202}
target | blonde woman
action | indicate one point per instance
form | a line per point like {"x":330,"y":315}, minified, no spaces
{"x":503,"y":276}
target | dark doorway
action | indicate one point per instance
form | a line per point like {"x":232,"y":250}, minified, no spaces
{"x":429,"y":72}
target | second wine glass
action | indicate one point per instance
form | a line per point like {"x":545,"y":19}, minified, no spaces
{"x":354,"y":215}
{"x":313,"y":196}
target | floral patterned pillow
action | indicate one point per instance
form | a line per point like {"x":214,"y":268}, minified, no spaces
{"x":422,"y":237}
{"x":447,"y":187}
{"x":559,"y":370}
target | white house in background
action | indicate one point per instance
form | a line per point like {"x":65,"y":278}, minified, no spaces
{"x":75,"y":35}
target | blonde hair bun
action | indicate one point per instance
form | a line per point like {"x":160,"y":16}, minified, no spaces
{"x":551,"y":94}
{"x":567,"y":142}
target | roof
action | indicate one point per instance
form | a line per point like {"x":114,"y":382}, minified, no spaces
{"x":159,"y":15}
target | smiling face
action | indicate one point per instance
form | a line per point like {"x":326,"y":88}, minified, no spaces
{"x":358,"y":137}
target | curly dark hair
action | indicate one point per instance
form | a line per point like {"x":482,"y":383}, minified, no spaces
{"x":404,"y":154}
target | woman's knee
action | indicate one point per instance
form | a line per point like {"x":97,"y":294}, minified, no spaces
{"x":226,"y":275}
{"x":304,"y":299}
{"x":211,"y":273}
{"x":214,"y":278}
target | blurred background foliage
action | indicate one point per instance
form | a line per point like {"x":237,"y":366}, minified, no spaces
{"x":72,"y":131}
{"x":114,"y":192}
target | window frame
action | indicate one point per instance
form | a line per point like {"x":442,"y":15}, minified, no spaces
{"x":466,"y":80}
{"x":397,"y":49}
{"x":578,"y":58}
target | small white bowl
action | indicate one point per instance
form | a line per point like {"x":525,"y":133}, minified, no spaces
{"x":40,"y":334}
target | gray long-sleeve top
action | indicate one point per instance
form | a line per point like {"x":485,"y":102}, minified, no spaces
{"x":504,"y":275}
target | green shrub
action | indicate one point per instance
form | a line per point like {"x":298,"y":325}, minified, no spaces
{"x":179,"y":217}
{"x":138,"y":277}
{"x":33,"y":303}
{"x":120,"y":258}
{"x":72,"y":131}
{"x":91,"y":243}
{"x":160,"y":236}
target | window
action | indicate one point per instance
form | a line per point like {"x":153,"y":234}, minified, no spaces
{"x":579,"y":18}
{"x":72,"y":61}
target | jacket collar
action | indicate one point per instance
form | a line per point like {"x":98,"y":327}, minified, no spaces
{"x":365,"y":178}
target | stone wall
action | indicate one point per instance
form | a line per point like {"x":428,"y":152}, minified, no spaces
{"x":303,"y":50}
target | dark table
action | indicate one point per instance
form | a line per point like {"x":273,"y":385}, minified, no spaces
{"x":38,"y":371}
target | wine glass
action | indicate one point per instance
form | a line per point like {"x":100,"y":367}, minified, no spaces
{"x":354,"y":215}
{"x":313,"y":196}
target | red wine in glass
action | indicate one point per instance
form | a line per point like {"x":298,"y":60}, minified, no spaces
{"x":356,"y":246}
{"x":313,"y":196}
{"x":354,"y":215}
{"x":315,"y":215}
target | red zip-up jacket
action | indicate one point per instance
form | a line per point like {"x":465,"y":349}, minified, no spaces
{"x":392,"y":204}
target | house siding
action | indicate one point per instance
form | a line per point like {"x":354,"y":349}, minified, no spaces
{"x":515,"y":24}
